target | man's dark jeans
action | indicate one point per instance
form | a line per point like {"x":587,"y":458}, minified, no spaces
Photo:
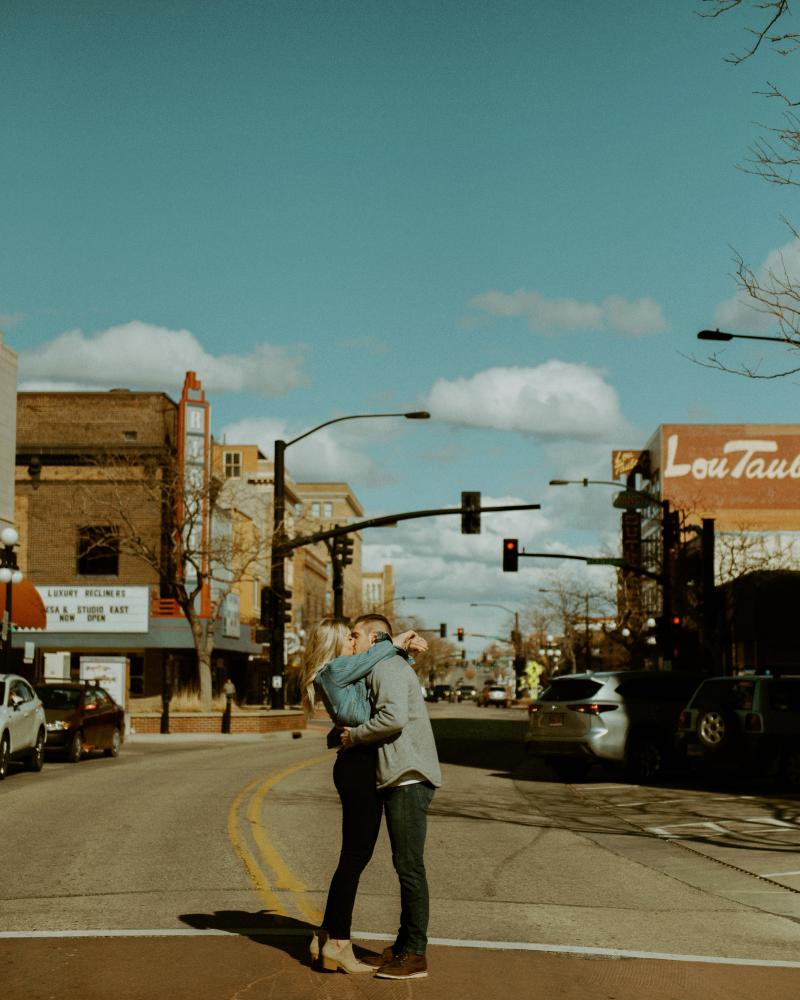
{"x":406,"y":810}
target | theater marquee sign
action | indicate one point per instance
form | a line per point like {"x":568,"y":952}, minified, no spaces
{"x":729,"y":466}
{"x":96,"y":609}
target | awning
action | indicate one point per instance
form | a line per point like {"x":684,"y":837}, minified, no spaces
{"x":27,"y":607}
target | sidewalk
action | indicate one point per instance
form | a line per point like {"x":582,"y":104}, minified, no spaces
{"x":262,"y":968}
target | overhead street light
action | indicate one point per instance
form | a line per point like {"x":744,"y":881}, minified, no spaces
{"x":721,"y":335}
{"x":275,"y":610}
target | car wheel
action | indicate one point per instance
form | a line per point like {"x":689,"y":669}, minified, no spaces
{"x":570,"y":768}
{"x":35,"y":760}
{"x":715,"y":728}
{"x":116,"y":742}
{"x":644,"y":759}
{"x":5,"y":756}
{"x":75,"y":747}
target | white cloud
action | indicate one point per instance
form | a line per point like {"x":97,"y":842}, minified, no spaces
{"x":324,"y":456}
{"x":556,"y":399}
{"x":644,"y":316}
{"x":740,"y":313}
{"x":431,"y":557}
{"x":143,"y":356}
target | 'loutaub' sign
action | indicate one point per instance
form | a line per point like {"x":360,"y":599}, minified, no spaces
{"x":730,"y":466}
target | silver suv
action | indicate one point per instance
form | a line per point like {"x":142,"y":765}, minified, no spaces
{"x":22,"y":724}
{"x":623,"y":717}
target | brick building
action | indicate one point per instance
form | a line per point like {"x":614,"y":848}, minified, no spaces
{"x":83,"y":459}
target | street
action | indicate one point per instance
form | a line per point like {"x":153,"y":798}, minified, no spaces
{"x":166,"y":872}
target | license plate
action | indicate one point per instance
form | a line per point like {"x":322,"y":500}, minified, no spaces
{"x":556,"y":719}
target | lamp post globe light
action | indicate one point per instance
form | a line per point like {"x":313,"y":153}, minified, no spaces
{"x":9,"y":575}
{"x":274,"y":614}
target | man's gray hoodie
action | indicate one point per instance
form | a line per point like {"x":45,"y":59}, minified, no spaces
{"x":399,"y":723}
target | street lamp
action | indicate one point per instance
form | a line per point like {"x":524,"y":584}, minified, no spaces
{"x":723,"y":336}
{"x":275,"y":611}
{"x":9,"y":575}
{"x":516,"y":637}
{"x":588,"y":653}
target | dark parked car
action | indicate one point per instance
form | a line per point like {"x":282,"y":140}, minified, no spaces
{"x":441,"y":692}
{"x":81,"y":718}
{"x":623,"y":717}
{"x":751,"y":723}
{"x":466,"y":692}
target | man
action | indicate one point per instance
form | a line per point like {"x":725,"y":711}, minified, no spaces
{"x":407,"y":774}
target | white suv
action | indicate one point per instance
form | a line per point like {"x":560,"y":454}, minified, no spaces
{"x":22,"y":724}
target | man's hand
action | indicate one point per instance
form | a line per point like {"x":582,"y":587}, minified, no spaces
{"x":411,"y":641}
{"x":344,"y":736}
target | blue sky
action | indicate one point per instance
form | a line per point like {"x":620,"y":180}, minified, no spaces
{"x":515,"y":214}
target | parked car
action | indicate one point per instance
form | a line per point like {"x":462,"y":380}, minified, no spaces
{"x":22,"y":724}
{"x":441,"y":692}
{"x":617,"y":717}
{"x":748,"y":722}
{"x":466,"y":692}
{"x":81,"y":718}
{"x":495,"y":694}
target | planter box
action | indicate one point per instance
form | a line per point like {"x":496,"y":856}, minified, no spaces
{"x":211,"y":722}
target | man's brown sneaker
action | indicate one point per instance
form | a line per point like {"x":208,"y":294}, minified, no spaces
{"x":405,"y":966}
{"x":378,"y":961}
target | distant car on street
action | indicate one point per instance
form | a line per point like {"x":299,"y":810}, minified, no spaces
{"x":495,"y":694}
{"x":751,"y":723}
{"x":466,"y":692}
{"x":627,"y":718}
{"x":441,"y":692}
{"x":81,"y":718}
{"x":22,"y":724}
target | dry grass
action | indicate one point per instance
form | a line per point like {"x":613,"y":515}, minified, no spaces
{"x":182,"y":701}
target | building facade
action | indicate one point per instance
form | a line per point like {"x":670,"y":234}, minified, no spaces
{"x":90,"y":473}
{"x":8,"y":425}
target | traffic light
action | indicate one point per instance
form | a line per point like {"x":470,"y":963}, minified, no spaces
{"x":443,"y":630}
{"x":510,"y":555}
{"x":470,"y":513}
{"x":460,"y":634}
{"x":286,"y":605}
{"x":346,"y":549}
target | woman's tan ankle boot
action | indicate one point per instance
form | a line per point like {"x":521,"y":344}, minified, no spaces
{"x":334,"y":958}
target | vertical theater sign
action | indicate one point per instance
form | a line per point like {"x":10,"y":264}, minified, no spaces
{"x":193,"y":502}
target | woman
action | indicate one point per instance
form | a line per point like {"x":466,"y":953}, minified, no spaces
{"x":332,"y":672}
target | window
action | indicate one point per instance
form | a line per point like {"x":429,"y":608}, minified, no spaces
{"x":98,"y":551}
{"x":298,"y":509}
{"x":315,"y":509}
{"x":257,"y":596}
{"x":130,"y":435}
{"x":327,"y":510}
{"x":233,"y":464}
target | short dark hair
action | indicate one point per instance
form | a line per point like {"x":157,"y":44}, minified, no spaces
{"x":375,"y":617}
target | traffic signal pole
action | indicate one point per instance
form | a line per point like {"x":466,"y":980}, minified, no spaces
{"x":272,"y":610}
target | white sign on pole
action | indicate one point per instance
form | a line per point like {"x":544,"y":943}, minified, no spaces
{"x":96,"y":609}
{"x":110,"y":672}
{"x":230,"y":625}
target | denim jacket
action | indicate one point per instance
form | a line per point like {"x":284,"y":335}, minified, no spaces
{"x":341,"y":685}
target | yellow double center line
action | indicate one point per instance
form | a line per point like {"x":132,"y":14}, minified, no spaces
{"x":268,"y":871}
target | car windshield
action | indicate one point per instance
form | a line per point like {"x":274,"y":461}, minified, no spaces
{"x":59,"y":697}
{"x":570,"y":689}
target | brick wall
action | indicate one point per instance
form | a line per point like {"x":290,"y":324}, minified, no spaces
{"x":195,"y":722}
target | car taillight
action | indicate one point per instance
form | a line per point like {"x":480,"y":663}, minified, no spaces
{"x":592,"y":708}
{"x":752,"y":723}
{"x":684,"y":720}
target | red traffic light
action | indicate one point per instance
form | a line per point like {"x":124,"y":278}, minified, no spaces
{"x":676,"y":619}
{"x":510,"y":555}
{"x":460,"y":634}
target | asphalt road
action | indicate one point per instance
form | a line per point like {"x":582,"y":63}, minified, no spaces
{"x":195,"y":866}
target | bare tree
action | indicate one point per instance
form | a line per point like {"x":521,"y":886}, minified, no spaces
{"x":774,"y":157}
{"x":200,"y":539}
{"x":745,"y":551}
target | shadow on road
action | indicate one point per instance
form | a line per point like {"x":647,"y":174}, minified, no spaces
{"x":283,"y":933}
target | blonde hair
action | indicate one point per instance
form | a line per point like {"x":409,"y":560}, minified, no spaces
{"x":327,"y":641}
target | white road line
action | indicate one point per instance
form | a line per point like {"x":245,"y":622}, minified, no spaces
{"x":558,"y":949}
{"x":778,"y":874}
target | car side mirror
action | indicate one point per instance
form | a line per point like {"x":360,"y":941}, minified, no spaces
{"x":15,"y":701}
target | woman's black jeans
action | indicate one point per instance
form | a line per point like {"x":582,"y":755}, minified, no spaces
{"x":354,"y":777}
